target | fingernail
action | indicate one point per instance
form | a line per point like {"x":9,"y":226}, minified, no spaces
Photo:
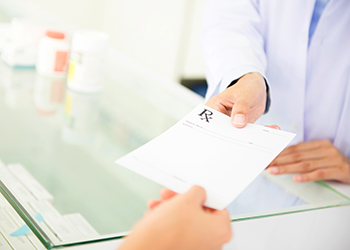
{"x":298,"y":178}
{"x":274,"y":170}
{"x":239,"y":119}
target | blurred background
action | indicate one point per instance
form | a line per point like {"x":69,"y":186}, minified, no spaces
{"x":161,"y":35}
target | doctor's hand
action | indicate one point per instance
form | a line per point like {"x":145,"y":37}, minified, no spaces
{"x":181,"y":222}
{"x":244,"y":102}
{"x":315,"y":160}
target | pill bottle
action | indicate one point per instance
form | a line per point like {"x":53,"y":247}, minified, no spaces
{"x":20,"y":43}
{"x":52,"y":55}
{"x":87,"y":61}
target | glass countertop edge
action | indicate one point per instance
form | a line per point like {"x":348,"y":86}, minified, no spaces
{"x":21,"y":211}
{"x":96,"y":240}
{"x":49,"y":245}
{"x":333,"y":189}
{"x":122,"y":235}
{"x":345,"y":202}
{"x":288,"y":212}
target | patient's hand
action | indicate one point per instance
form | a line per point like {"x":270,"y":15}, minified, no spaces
{"x":315,"y":160}
{"x":180,"y":222}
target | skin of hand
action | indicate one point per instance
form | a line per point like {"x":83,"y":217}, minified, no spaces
{"x":244,"y":102}
{"x":274,"y":126}
{"x":315,"y":160}
{"x":180,"y":222}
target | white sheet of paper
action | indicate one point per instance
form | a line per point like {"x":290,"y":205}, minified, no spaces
{"x":205,"y":149}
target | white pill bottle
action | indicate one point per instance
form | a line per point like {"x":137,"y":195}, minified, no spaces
{"x":86,"y":63}
{"x":52,"y":58}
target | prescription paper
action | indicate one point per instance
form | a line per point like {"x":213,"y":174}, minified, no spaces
{"x":205,"y":149}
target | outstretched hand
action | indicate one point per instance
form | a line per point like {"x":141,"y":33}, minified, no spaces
{"x":180,"y":222}
{"x":244,"y":102}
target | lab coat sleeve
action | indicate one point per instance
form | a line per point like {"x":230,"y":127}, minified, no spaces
{"x":232,"y":42}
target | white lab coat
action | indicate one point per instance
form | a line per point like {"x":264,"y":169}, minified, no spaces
{"x":310,"y":87}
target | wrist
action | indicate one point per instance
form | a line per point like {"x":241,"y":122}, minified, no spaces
{"x":254,"y":76}
{"x":147,"y":236}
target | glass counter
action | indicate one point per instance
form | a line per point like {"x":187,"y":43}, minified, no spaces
{"x":68,"y":142}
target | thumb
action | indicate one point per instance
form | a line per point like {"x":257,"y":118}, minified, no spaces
{"x":196,"y":194}
{"x":239,"y":114}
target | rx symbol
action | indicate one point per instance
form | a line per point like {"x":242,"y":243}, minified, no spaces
{"x":206,"y":115}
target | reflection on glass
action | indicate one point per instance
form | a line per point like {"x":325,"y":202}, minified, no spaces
{"x":263,"y":195}
{"x":81,"y":112}
{"x":269,"y":194}
{"x":18,"y":83}
{"x":48,"y":94}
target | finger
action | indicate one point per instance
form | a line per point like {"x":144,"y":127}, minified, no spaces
{"x":304,"y":146}
{"x":166,"y":194}
{"x":335,"y":173}
{"x":274,"y":127}
{"x":302,"y":167}
{"x":239,"y":115}
{"x":196,"y":194}
{"x":153,"y":203}
{"x":299,"y":157}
